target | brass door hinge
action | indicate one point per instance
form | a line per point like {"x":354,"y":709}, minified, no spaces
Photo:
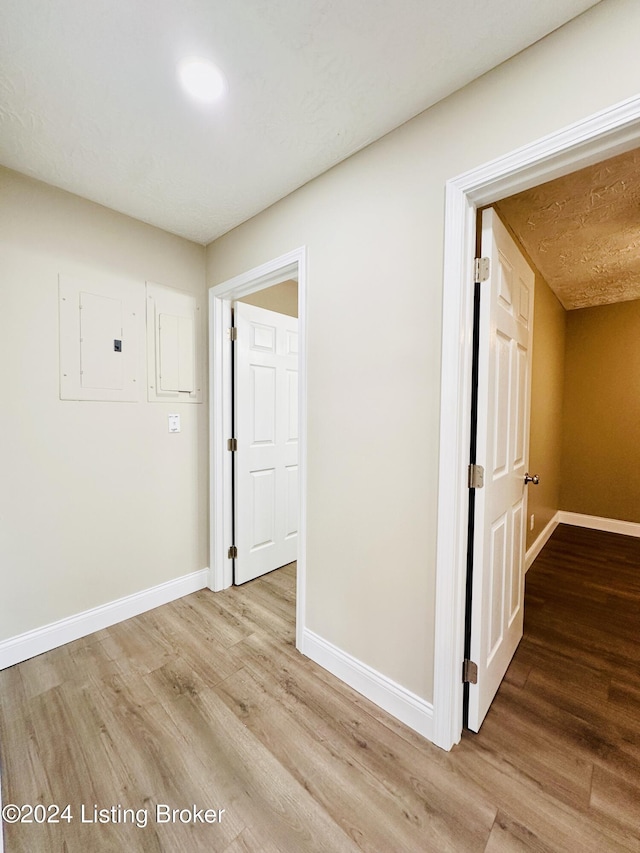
{"x":476,"y":477}
{"x":469,"y":672}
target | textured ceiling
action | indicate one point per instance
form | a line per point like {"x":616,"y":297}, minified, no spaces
{"x":89,"y":99}
{"x":582,"y":231}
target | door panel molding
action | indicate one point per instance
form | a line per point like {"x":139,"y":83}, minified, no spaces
{"x":266,"y":414}
{"x":605,"y":134}
{"x":221,"y":297}
{"x":504,"y":372}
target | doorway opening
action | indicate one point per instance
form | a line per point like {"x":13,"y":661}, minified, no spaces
{"x":251,"y":285}
{"x":604,"y":135}
{"x":577,"y":234}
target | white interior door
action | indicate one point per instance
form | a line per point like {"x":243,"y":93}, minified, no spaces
{"x":504,"y":391}
{"x":266,"y":429}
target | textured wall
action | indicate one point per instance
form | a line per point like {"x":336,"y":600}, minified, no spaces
{"x":601,"y":451}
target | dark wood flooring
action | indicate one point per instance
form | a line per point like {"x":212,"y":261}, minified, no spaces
{"x":205,"y":702}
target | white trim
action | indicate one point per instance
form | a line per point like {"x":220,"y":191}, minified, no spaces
{"x":221,"y":525}
{"x":541,"y":540}
{"x":290,"y":265}
{"x":610,"y":132}
{"x":401,"y":703}
{"x":594,"y":522}
{"x":32,"y":643}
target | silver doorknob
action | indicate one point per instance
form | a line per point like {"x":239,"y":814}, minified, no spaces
{"x":535,"y":479}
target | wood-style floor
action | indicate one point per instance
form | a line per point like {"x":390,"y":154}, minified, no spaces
{"x":205,"y":702}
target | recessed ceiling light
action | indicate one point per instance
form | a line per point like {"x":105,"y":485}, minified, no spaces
{"x":201,"y":79}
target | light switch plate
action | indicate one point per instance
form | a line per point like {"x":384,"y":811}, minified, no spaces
{"x":174,"y":423}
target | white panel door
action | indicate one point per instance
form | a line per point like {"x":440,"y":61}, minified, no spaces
{"x":504,"y":390}
{"x":266,"y":428}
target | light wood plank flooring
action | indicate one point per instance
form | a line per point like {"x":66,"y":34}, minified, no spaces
{"x":205,"y":702}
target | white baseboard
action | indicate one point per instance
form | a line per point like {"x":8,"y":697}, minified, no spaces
{"x":32,"y":643}
{"x":594,"y":522}
{"x":401,"y":703}
{"x":541,"y":541}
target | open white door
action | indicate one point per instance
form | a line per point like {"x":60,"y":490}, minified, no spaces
{"x":266,"y":429}
{"x":504,"y":391}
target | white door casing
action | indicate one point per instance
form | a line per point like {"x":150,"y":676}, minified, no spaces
{"x":504,"y":394}
{"x":612,"y":131}
{"x":292,"y":265}
{"x":266,"y":429}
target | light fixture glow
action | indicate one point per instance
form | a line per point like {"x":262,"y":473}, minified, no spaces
{"x":201,"y":79}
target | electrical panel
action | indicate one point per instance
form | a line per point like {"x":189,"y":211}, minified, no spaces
{"x":176,"y":345}
{"x":100,"y":331}
{"x":174,"y":336}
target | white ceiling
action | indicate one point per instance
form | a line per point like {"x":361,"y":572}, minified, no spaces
{"x":89,"y":99}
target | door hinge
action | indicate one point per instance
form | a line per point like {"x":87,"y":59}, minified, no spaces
{"x":482,"y":269}
{"x":476,"y":476}
{"x":469,"y":672}
{"x":232,"y":333}
{"x":232,"y":444}
{"x":232,"y":553}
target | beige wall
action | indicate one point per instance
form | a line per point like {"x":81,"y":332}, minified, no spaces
{"x":98,"y":500}
{"x":373,"y":227}
{"x":601,"y":450}
{"x":547,"y":388}
{"x":282,"y":298}
{"x":584,"y":415}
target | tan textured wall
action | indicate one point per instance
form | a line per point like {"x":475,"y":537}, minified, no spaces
{"x":601,"y":447}
{"x":373,"y":227}
{"x":98,"y":500}
{"x":282,"y":298}
{"x":547,"y":388}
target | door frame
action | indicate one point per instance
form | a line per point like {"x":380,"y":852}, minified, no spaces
{"x":605,"y":134}
{"x":221,"y":298}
